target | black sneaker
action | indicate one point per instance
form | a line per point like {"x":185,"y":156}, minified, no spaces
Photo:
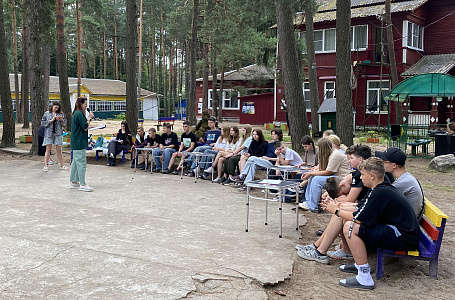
{"x":228,"y":182}
{"x":175,"y":172}
{"x":132,"y":164}
{"x":223,"y":180}
{"x":142,"y":167}
{"x":166,"y":171}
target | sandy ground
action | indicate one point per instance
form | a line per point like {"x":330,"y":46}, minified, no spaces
{"x":404,"y":279}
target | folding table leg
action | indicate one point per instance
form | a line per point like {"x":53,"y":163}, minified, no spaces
{"x":247,"y":206}
{"x":281,"y":212}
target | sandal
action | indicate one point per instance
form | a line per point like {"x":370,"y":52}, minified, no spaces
{"x":351,"y":282}
{"x":339,"y":254}
{"x":45,"y":169}
{"x":64,"y":168}
{"x":349,"y":268}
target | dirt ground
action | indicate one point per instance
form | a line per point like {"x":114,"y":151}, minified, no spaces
{"x":404,"y":279}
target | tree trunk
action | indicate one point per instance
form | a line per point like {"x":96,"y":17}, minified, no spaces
{"x":19,"y":116}
{"x":221,"y":94}
{"x":46,"y":72}
{"x":205,"y":78}
{"x":343,"y":73}
{"x":25,"y":83}
{"x":131,"y":42}
{"x":36,"y":76}
{"x":392,"y":60}
{"x":214,"y":84}
{"x":163,"y":87}
{"x":311,"y":57}
{"x":62,"y":63}
{"x":191,"y":99}
{"x":94,"y":63}
{"x":171,"y":76}
{"x":8,"y":136}
{"x":152,"y":58}
{"x":79,"y":61}
{"x":298,"y":121}
{"x":104,"y":55}
{"x":139,"y":73}
{"x":115,"y":44}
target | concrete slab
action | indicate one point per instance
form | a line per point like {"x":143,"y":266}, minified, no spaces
{"x":138,"y":235}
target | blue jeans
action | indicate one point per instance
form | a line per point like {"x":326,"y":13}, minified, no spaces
{"x":166,"y":153}
{"x":206,"y":160}
{"x":314,"y":190}
{"x":198,"y":149}
{"x":249,"y":170}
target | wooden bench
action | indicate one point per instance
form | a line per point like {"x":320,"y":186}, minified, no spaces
{"x":431,"y":232}
{"x":162,"y":120}
{"x":415,"y":145}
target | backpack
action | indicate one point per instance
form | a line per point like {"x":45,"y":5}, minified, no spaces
{"x":99,"y":142}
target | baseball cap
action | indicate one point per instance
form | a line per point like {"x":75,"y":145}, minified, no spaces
{"x":392,"y":154}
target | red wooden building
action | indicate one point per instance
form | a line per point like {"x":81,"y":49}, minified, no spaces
{"x":250,"y":80}
{"x":424,"y":38}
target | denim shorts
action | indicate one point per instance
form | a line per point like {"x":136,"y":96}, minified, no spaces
{"x":53,"y":140}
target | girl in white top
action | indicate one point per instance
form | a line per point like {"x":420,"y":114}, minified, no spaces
{"x":235,"y":141}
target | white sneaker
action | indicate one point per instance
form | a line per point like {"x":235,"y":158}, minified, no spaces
{"x":85,"y":188}
{"x":216,"y":180}
{"x":209,"y":170}
{"x":303,"y":206}
{"x":75,"y":185}
{"x":305,"y":247}
{"x":50,"y":163}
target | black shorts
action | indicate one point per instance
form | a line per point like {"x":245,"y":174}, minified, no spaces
{"x":383,"y":236}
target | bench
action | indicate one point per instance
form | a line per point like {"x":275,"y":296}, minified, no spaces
{"x":431,"y":231}
{"x":162,"y":120}
{"x":415,"y":145}
{"x":97,"y":150}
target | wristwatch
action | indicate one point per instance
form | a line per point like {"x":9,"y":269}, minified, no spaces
{"x":337,"y":212}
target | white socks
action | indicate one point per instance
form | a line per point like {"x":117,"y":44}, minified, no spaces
{"x":364,"y":276}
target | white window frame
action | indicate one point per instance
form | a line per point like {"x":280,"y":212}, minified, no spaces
{"x":353,"y":38}
{"x":119,"y":105}
{"x":327,"y":89}
{"x":103,"y":103}
{"x":225,"y":91}
{"x":302,"y":36}
{"x":92,"y":105}
{"x":378,"y":98}
{"x":306,"y":89}
{"x":408,"y":37}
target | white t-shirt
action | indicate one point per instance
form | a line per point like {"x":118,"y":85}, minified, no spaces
{"x":293,"y":157}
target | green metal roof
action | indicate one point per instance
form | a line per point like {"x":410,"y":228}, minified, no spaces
{"x":424,"y":85}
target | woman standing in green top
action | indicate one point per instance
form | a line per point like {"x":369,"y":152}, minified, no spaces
{"x":79,"y":142}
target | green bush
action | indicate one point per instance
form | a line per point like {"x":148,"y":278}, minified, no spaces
{"x":120,"y":116}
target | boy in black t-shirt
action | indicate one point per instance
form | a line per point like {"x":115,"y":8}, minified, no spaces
{"x":384,"y":219}
{"x":187,"y":143}
{"x":346,"y":192}
{"x":153,"y":139}
{"x":169,"y":144}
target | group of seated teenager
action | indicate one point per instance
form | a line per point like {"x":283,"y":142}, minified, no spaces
{"x":378,"y":205}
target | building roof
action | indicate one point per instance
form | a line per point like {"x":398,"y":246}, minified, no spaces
{"x":97,"y":87}
{"x":441,"y":64}
{"x":246,"y":73}
{"x":328,"y":105}
{"x":359,"y":9}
